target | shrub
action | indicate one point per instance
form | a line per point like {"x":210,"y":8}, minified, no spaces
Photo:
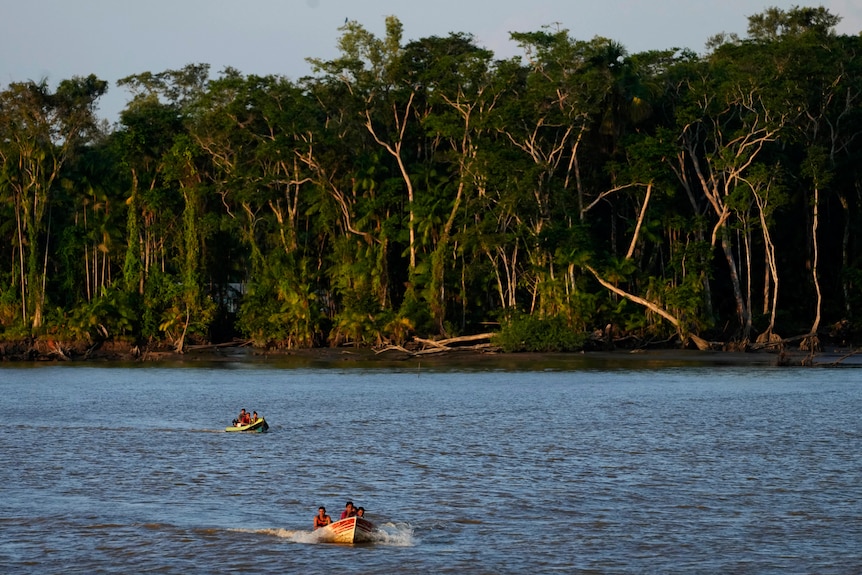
{"x":523,"y":332}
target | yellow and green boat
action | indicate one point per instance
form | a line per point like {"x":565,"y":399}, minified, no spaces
{"x":259,"y":426}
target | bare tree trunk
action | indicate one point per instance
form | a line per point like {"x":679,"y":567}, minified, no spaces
{"x":640,"y":222}
{"x":746,"y":245}
{"x":767,"y":282}
{"x":771,"y":267}
{"x":21,"y":263}
{"x":395,"y":152}
{"x":742,"y":311}
{"x":179,"y":346}
{"x":45,"y":264}
{"x":815,"y":274}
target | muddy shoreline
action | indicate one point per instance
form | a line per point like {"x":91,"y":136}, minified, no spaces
{"x":122,"y":353}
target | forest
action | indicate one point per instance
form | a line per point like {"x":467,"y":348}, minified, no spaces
{"x":575,"y":193}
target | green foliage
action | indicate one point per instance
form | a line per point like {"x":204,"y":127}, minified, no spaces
{"x":11,"y":323}
{"x":423,"y":188}
{"x":414,"y":315}
{"x":360,"y":320}
{"x":775,"y":23}
{"x":162,"y":292}
{"x":522,"y":332}
{"x":115,"y":313}
{"x":281,"y":313}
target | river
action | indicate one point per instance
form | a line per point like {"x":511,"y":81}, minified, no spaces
{"x":643,"y":469}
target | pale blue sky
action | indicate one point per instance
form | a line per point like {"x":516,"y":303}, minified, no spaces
{"x":58,"y":39}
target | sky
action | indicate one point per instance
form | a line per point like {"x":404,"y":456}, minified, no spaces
{"x":59,"y":39}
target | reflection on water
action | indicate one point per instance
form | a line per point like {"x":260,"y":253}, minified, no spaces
{"x":658,"y":469}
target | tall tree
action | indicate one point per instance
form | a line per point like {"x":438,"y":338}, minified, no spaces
{"x":39,"y":132}
{"x":157,"y":118}
{"x":724,"y":126}
{"x":460,"y":80}
{"x":822,"y":83}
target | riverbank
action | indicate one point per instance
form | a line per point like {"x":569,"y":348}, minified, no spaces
{"x":40,"y":351}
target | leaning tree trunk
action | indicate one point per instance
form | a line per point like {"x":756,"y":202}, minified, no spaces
{"x":699,"y":342}
{"x":812,"y":342}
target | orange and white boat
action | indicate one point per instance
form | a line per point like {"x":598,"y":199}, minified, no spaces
{"x":349,"y":530}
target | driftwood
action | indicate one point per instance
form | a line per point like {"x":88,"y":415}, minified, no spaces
{"x":477,"y":347}
{"x":393,"y":347}
{"x":453,"y":340}
{"x":430,"y":346}
{"x":843,"y":357}
{"x":780,"y":342}
{"x":57,"y":350}
{"x":218,"y":345}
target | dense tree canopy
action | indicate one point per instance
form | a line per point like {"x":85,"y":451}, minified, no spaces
{"x":426,"y":188}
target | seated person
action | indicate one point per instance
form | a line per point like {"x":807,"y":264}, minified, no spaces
{"x":321,"y":519}
{"x":239,"y":419}
{"x":254,"y":417}
{"x":349,"y":510}
{"x":360,"y":512}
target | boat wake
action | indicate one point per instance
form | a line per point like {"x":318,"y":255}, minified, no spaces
{"x":395,"y":535}
{"x":389,"y":534}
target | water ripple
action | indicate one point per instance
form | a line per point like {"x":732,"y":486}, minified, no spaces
{"x":624,"y":471}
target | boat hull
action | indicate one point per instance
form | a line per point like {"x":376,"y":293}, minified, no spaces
{"x":351,"y":530}
{"x":259,"y":426}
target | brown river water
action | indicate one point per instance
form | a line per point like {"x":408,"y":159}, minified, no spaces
{"x":644,"y":468}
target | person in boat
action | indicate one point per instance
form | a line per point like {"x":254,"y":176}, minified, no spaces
{"x":246,"y":418}
{"x":360,"y":512}
{"x":321,"y":519}
{"x":349,"y":510}
{"x":254,"y":417}
{"x":240,"y":418}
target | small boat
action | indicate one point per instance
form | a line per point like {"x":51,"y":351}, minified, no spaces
{"x":259,"y":426}
{"x":349,"y":530}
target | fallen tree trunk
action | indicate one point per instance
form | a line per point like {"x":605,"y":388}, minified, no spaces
{"x":218,"y":345}
{"x":701,"y":343}
{"x":443,"y":345}
{"x":453,"y":340}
